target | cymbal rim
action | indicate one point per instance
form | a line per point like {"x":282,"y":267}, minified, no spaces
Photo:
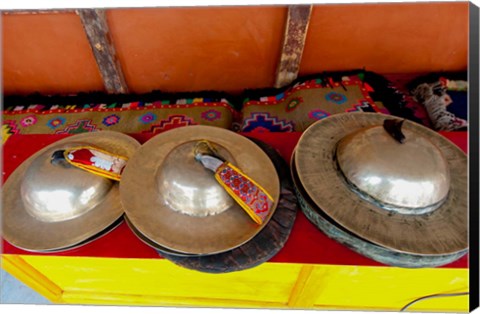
{"x":189,"y":234}
{"x":152,"y":244}
{"x":423,"y":234}
{"x":360,"y":245}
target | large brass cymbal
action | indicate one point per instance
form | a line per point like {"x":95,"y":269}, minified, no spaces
{"x":442,"y":229}
{"x":171,"y":199}
{"x":361,"y":246}
{"x":53,"y":207}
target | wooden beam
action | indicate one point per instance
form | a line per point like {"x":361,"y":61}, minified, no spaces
{"x":96,"y":28}
{"x":293,"y":44}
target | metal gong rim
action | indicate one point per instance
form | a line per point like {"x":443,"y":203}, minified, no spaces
{"x":160,"y":249}
{"x":359,"y":245}
{"x":443,"y":231}
{"x":95,"y":237}
{"x":146,"y":203}
{"x":28,"y":232}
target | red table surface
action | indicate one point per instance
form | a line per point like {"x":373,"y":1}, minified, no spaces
{"x":306,"y":244}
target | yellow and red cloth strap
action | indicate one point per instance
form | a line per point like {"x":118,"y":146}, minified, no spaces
{"x":253,"y":198}
{"x":96,"y":161}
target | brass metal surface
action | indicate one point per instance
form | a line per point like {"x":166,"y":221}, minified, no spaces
{"x":93,"y":238}
{"x":410,"y":178}
{"x":188,"y":188}
{"x":152,"y":244}
{"x":442,"y":231}
{"x":175,"y":202}
{"x":361,"y":246}
{"x":56,"y":192}
{"x":49,"y":207}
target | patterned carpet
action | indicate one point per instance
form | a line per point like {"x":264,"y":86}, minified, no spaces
{"x":292,"y":108}
{"x":288,"y":109}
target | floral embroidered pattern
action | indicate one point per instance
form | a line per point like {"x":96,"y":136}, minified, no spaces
{"x":318,"y":114}
{"x":133,"y":117}
{"x":55,"y":122}
{"x":111,"y":120}
{"x":27,"y":121}
{"x":251,"y":195}
{"x":211,"y":115}
{"x":148,"y":118}
{"x":336,"y":98}
{"x":294,"y":102}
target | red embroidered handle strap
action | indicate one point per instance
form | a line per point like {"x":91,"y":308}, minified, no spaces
{"x":96,"y":161}
{"x":256,"y":202}
{"x":248,"y":194}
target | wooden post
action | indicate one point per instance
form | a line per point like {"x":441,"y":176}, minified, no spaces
{"x":293,"y":44}
{"x":96,"y":29}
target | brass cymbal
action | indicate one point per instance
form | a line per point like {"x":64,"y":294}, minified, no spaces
{"x":171,"y":199}
{"x":152,"y":244}
{"x":438,"y":225}
{"x":371,"y":250}
{"x":52,"y":207}
{"x":95,"y":237}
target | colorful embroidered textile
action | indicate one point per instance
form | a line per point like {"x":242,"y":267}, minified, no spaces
{"x":444,"y":97}
{"x":256,"y":202}
{"x":292,"y":108}
{"x":134,"y":117}
{"x":436,"y":101}
{"x":296,"y":108}
{"x":408,"y":107}
{"x":251,"y":197}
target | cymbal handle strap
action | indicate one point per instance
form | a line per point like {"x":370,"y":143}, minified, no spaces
{"x":96,"y":161}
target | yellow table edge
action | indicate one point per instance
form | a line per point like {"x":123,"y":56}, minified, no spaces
{"x":62,"y":279}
